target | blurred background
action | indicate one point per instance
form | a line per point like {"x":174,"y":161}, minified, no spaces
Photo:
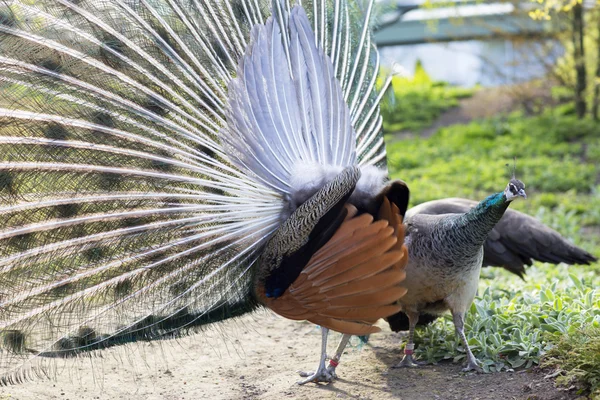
{"x":482,"y":82}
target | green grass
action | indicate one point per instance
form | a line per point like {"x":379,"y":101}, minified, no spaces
{"x":416,"y":102}
{"x":556,"y":158}
{"x":513,"y":323}
{"x":577,"y":356}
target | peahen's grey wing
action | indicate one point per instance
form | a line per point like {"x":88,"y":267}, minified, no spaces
{"x":123,"y":216}
{"x":517,"y":240}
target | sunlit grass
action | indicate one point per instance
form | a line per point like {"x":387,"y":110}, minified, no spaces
{"x":577,"y":355}
{"x":417,"y":101}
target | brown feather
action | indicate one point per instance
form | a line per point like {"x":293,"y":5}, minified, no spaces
{"x":352,"y":211}
{"x":348,"y":228}
{"x":366,"y":313}
{"x":382,"y":280}
{"x":362,"y":238}
{"x":348,"y":327}
{"x":378,"y":298}
{"x":354,"y":279}
{"x":371,"y":248}
{"x":385,"y":211}
{"x":361,"y":227}
{"x":363,"y":270}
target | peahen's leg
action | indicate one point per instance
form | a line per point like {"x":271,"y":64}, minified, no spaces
{"x":407,"y":360}
{"x":335,"y":360}
{"x":459,"y":324}
{"x":321,"y":374}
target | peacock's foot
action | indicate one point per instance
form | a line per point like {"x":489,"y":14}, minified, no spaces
{"x":473,"y":365}
{"x":322,"y":375}
{"x":407,"y":362}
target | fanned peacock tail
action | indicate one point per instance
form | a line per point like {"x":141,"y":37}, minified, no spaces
{"x":129,"y":208}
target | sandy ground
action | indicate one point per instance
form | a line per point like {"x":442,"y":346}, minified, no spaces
{"x":255,"y":357}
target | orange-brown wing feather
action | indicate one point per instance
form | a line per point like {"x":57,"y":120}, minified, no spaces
{"x":378,"y":281}
{"x":359,"y":313}
{"x":354,"y":279}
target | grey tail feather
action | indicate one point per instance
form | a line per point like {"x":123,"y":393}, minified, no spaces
{"x":571,"y":256}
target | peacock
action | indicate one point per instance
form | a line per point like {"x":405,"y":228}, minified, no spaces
{"x":166,"y":164}
{"x":449,"y":240}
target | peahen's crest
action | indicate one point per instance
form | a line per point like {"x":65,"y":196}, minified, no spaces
{"x":139,"y":177}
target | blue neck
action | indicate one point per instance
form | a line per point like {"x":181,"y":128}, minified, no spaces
{"x":489,"y":211}
{"x":493,"y":200}
{"x":476,"y":224}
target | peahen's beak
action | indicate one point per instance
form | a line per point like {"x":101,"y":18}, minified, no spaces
{"x":522,"y":193}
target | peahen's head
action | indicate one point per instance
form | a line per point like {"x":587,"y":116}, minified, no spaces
{"x":514,"y":189}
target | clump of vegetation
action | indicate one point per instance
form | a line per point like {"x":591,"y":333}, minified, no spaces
{"x":405,"y":110}
{"x":577,"y":356}
{"x":509,"y":329}
{"x":578,"y":71}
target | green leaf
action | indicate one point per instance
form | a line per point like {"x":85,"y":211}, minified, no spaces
{"x":576,"y":281}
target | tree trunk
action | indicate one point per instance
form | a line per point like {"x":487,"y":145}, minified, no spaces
{"x":596,"y":105}
{"x":579,"y":56}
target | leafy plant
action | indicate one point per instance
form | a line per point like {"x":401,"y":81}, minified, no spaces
{"x":577,"y":356}
{"x":511,"y":329}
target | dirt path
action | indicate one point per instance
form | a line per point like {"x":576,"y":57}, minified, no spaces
{"x":255,"y":358}
{"x":487,"y":103}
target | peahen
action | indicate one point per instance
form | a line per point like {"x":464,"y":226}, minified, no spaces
{"x":165,"y":164}
{"x":449,"y":240}
{"x":493,"y":235}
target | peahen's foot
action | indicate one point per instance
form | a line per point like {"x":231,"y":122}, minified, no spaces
{"x":322,"y":375}
{"x":473,"y":365}
{"x":407,"y":362}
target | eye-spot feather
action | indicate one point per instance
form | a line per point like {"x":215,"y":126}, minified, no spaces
{"x":55,"y":131}
{"x":13,"y":340}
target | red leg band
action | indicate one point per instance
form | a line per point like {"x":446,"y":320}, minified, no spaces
{"x":408,"y":352}
{"x":333,"y":363}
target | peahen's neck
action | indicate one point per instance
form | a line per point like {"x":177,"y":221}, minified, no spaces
{"x":473,"y":227}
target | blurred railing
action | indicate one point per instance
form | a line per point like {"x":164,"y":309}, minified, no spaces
{"x":407,"y":23}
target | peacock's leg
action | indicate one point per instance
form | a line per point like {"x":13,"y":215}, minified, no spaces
{"x":335,"y":360}
{"x":321,"y":375}
{"x":459,"y":324}
{"x":407,"y":360}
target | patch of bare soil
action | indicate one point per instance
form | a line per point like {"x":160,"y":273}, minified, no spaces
{"x":490,"y":102}
{"x":255,"y":357}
